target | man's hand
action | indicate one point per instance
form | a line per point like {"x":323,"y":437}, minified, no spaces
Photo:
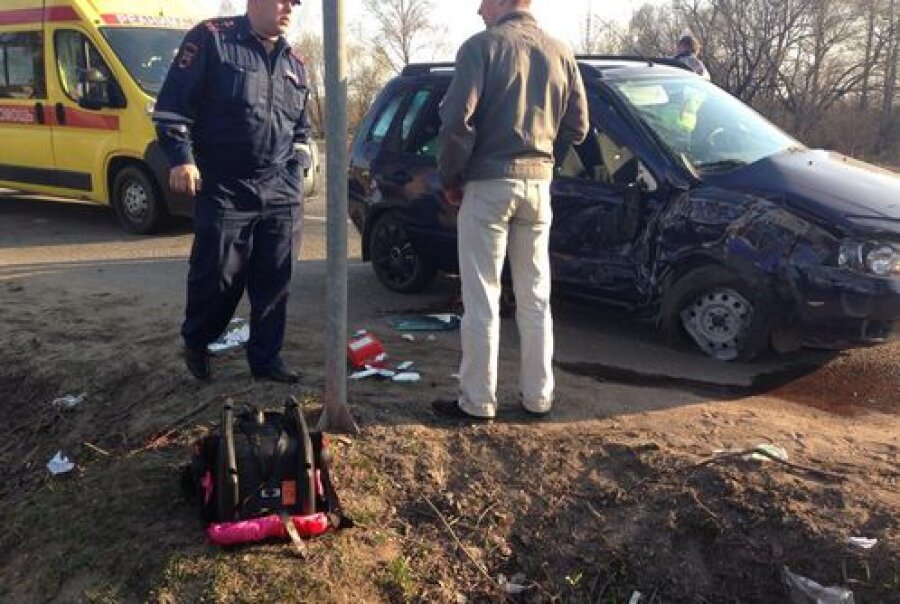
{"x":185,"y":179}
{"x":454,"y":195}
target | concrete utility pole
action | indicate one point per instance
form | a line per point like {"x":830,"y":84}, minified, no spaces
{"x":336,"y":415}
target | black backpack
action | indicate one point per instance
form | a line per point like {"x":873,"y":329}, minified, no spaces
{"x":262,"y":463}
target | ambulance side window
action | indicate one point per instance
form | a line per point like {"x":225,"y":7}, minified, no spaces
{"x":22,"y":66}
{"x":84,"y":75}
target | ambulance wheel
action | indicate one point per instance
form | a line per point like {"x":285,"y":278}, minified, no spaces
{"x":137,"y":201}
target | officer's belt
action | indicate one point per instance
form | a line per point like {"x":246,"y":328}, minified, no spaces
{"x":232,"y":172}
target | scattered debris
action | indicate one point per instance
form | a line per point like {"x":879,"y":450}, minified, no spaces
{"x":514,"y":585}
{"x":807,"y":591}
{"x":636,"y":597}
{"x":97,"y":449}
{"x":405,"y":366}
{"x":69,"y":401}
{"x":863,"y":542}
{"x":407,"y":377}
{"x":371,"y":371}
{"x":60,"y":464}
{"x":236,"y":335}
{"x":365,"y":350}
{"x":768,"y":452}
{"x":408,"y":337}
{"x":441,"y":322}
{"x":431,"y":337}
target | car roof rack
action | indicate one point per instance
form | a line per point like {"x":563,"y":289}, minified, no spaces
{"x":617,"y":60}
{"x":598,"y":62}
{"x":418,"y":69}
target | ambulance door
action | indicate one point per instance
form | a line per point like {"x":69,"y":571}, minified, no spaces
{"x":87,"y":113}
{"x":26,"y":152}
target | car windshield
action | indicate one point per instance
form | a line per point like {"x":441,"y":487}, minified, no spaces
{"x":702,"y":124}
{"x":146,"y":53}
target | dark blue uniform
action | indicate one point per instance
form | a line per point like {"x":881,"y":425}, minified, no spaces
{"x":236,"y":111}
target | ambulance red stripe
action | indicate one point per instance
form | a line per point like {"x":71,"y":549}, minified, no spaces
{"x":36,"y":15}
{"x":75,"y":118}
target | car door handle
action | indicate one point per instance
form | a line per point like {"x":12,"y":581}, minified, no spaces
{"x":39,"y":113}
{"x":60,"y":114}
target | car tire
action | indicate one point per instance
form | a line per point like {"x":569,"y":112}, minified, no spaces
{"x":137,"y":201}
{"x":397,"y":262}
{"x":719,"y":312}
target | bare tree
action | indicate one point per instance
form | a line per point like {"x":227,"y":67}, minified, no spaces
{"x":309,"y":47}
{"x":232,"y":7}
{"x":405,"y":30}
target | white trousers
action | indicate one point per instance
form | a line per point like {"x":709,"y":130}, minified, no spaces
{"x":499,"y":217}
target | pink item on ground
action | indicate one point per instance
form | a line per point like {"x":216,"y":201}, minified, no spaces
{"x":267,"y":527}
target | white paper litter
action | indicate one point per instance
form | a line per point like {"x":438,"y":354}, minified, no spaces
{"x":69,"y":401}
{"x":237,"y":335}
{"x":431,"y":337}
{"x":407,"y":377}
{"x":370,"y":371}
{"x":635,"y":597}
{"x":60,"y":464}
{"x":405,"y":365}
{"x":409,"y":337}
{"x":863,"y":542}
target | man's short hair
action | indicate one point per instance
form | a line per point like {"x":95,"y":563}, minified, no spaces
{"x":688,"y":42}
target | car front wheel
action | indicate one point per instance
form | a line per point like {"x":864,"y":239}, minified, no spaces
{"x":724,"y":316}
{"x":137,"y":202}
{"x":397,"y":263}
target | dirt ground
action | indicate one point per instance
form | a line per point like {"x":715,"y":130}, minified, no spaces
{"x":620,"y":491}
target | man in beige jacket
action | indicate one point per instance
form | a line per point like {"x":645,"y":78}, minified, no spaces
{"x":515,"y":91}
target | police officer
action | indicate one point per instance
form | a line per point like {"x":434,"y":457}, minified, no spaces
{"x":228,"y":115}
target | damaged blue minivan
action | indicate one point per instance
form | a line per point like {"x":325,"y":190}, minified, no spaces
{"x":683,"y":205}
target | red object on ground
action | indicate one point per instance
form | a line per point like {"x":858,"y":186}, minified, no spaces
{"x":365,"y":349}
{"x":267,"y":527}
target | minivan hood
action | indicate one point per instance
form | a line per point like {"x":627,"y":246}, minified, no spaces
{"x":825,"y":184}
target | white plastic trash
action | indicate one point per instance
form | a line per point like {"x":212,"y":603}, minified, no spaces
{"x":807,"y":591}
{"x":863,"y":542}
{"x":68,"y":401}
{"x":60,"y":464}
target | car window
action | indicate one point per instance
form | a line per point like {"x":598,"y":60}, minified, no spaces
{"x":412,"y":113}
{"x":22,"y":66}
{"x":383,"y":123}
{"x":83,"y":73}
{"x":701,"y":123}
{"x":602,"y":159}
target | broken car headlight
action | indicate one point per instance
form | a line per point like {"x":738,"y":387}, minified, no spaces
{"x":877,"y":258}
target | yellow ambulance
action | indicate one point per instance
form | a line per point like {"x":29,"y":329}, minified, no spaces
{"x":78,"y":80}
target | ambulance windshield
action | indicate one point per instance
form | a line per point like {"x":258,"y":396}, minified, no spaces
{"x":146,"y":53}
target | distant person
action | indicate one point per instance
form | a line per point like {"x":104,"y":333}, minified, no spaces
{"x":230,"y":111}
{"x":515,"y":91}
{"x":688,"y":52}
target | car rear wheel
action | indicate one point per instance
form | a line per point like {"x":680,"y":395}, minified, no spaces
{"x":137,"y":202}
{"x":397,"y":263}
{"x":724,"y":316}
